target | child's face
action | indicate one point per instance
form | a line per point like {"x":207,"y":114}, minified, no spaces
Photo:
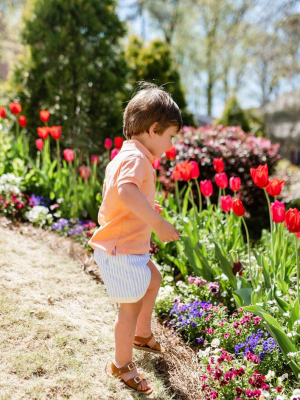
{"x":164,"y":142}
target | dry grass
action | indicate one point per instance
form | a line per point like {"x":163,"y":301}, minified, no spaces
{"x":56,"y":326}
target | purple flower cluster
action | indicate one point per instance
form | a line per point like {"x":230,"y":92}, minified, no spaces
{"x":38,"y":201}
{"x":196,"y":309}
{"x":254,"y":340}
{"x":60,"y":224}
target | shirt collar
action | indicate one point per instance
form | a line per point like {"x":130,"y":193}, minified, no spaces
{"x":133,"y":144}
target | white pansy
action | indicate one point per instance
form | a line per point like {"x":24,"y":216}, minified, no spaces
{"x":296,"y":393}
{"x":265,"y":395}
{"x":283,"y":377}
{"x":204,"y":353}
{"x":167,"y":268}
{"x":165,"y":291}
{"x":273,"y":309}
{"x":223,"y":294}
{"x":270,"y":375}
{"x":286,"y":314}
{"x":169,"y":279}
{"x":10,"y":183}
{"x":38,"y":214}
{"x":181,"y":284}
{"x":215,"y":343}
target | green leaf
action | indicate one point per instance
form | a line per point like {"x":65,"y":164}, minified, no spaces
{"x":245,"y":295}
{"x":225,"y":266}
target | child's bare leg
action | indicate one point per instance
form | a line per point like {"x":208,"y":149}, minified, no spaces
{"x":143,"y":326}
{"x":125,"y":325}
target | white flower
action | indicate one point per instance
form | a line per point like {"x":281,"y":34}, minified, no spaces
{"x":259,"y":304}
{"x":60,"y":200}
{"x":296,"y":323}
{"x":273,"y":309}
{"x":169,"y":279}
{"x":265,"y":395}
{"x":291,"y":355}
{"x":286,"y":314}
{"x":204,"y":353}
{"x":181,"y":284}
{"x":296,"y":393}
{"x":215,"y":343}
{"x":167,"y":268}
{"x":283,"y":377}
{"x":270,"y":375}
{"x":223,"y":294}
{"x":280,"y":397}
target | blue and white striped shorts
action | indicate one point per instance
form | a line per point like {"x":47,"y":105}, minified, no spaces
{"x":126,"y":276}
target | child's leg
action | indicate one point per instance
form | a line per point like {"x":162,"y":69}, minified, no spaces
{"x":143,"y":327}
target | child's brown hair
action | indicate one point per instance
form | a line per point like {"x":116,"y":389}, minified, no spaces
{"x":149,"y":105}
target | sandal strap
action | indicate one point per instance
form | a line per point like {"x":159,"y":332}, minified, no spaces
{"x":135,"y":382}
{"x":143,"y":340}
{"x":119,"y":371}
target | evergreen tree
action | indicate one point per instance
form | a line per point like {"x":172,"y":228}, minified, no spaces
{"x":75,"y":68}
{"x":234,"y":115}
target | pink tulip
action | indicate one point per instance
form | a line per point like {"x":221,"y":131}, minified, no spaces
{"x":226,"y":203}
{"x":39,"y":144}
{"x":221,"y":180}
{"x":206,"y":188}
{"x":84,"y":171}
{"x":95,"y":159}
{"x":108,"y":143}
{"x":69,"y":155}
{"x":156,"y":164}
{"x":235,"y":183}
{"x":113,"y":153}
{"x":278,"y":212}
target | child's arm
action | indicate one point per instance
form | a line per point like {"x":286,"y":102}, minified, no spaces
{"x":137,"y":203}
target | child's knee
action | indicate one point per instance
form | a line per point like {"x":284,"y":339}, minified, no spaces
{"x":131,"y":309}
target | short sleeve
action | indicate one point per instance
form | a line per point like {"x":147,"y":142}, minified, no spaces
{"x":132,"y":171}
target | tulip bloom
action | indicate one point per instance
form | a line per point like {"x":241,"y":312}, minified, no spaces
{"x":39,"y":144}
{"x":2,"y":112}
{"x":43,"y":132}
{"x":186,"y":171}
{"x":260,"y":176}
{"x":55,"y":132}
{"x":238,"y":208}
{"x":226,"y":203}
{"x":22,"y":121}
{"x":218,"y":165}
{"x":176,"y":173}
{"x":15,"y":108}
{"x":156,"y":164}
{"x":171,"y":153}
{"x":274,"y":187}
{"x":84,"y":171}
{"x":206,"y":188}
{"x":118,"y":142}
{"x":44,"y":115}
{"x":194,"y":170}
{"x":107,"y":143}
{"x":278,"y":212}
{"x":113,"y":153}
{"x":69,"y":155}
{"x":292,"y":220}
{"x":235,"y":183}
{"x":221,"y":180}
{"x":95,"y":159}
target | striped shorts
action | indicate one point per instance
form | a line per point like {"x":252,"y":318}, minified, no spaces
{"x":125,"y":276}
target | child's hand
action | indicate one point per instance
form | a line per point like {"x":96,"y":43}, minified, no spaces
{"x":166,"y":232}
{"x":158,"y":207}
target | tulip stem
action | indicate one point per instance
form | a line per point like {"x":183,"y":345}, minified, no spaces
{"x":271,"y":224}
{"x":192,"y":198}
{"x":297,"y":261}
{"x":200,"y":196}
{"x":177,"y":195}
{"x":219,"y":199}
{"x":248,"y":245}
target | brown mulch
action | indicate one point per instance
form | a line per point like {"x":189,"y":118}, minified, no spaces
{"x":179,"y":367}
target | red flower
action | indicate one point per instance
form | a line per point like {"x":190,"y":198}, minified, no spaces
{"x":43,"y":132}
{"x":277,"y":212}
{"x":22,"y":121}
{"x":238,"y":208}
{"x":176,"y":173}
{"x":279,"y":389}
{"x":118,"y":142}
{"x":95,"y":159}
{"x":274,"y":187}
{"x":221,"y":180}
{"x":206,"y":188}
{"x":84,"y":171}
{"x":171,"y":153}
{"x":186,"y":171}
{"x":292,"y":220}
{"x":260,"y":176}
{"x":113,"y":153}
{"x":55,"y":132}
{"x":218,"y":165}
{"x":156,"y":164}
{"x":44,"y":115}
{"x":226,"y":203}
{"x":15,"y":108}
{"x":107,"y":143}
{"x":237,"y":269}
{"x":235,"y":183}
{"x":2,"y":112}
{"x":39,"y":144}
{"x":69,"y":155}
{"x":194,"y":170}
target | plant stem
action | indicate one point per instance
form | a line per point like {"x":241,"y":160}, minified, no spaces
{"x":192,"y":197}
{"x":297,"y":261}
{"x":177,"y":195}
{"x":248,"y":245}
{"x":271,"y":224}
{"x":200,"y":196}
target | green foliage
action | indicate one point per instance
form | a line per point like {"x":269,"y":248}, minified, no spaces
{"x":75,"y":67}
{"x":233,"y":115}
{"x":154,"y":63}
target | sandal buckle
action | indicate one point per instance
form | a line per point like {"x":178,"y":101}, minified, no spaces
{"x":131,"y":366}
{"x":137,"y":381}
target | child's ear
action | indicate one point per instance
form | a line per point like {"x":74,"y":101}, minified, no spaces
{"x":153,"y":130}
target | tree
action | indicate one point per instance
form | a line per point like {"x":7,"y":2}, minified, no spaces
{"x":233,"y":115}
{"x":154,"y":63}
{"x":74,"y":67}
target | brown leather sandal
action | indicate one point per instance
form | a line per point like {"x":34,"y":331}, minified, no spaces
{"x":156,"y":348}
{"x":132,"y":383}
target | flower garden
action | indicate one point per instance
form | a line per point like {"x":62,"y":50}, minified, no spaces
{"x":231,"y":296}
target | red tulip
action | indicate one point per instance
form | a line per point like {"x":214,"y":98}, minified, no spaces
{"x":176,"y":173}
{"x":15,"y":108}
{"x":206,"y":188}
{"x":235,"y":183}
{"x":118,"y":142}
{"x":113,"y":153}
{"x":171,"y":153}
{"x":298,"y":235}
{"x":55,"y":132}
{"x":107,"y":143}
{"x":44,"y":115}
{"x":226,"y":203}
{"x":156,"y":164}
{"x":69,"y":155}
{"x":238,"y":208}
{"x":185,"y":170}
{"x":43,"y":132}
{"x":95,"y":159}
{"x":84,"y":171}
{"x":218,"y":165}
{"x":22,"y":121}
{"x":194,"y":170}
{"x":221,"y":180}
{"x":260,"y":176}
{"x":39,"y":144}
{"x":277,"y":212}
{"x":274,"y":187}
{"x":2,"y":112}
{"x":292,"y":220}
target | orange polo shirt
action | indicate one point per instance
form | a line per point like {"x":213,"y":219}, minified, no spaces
{"x":121,"y":231}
